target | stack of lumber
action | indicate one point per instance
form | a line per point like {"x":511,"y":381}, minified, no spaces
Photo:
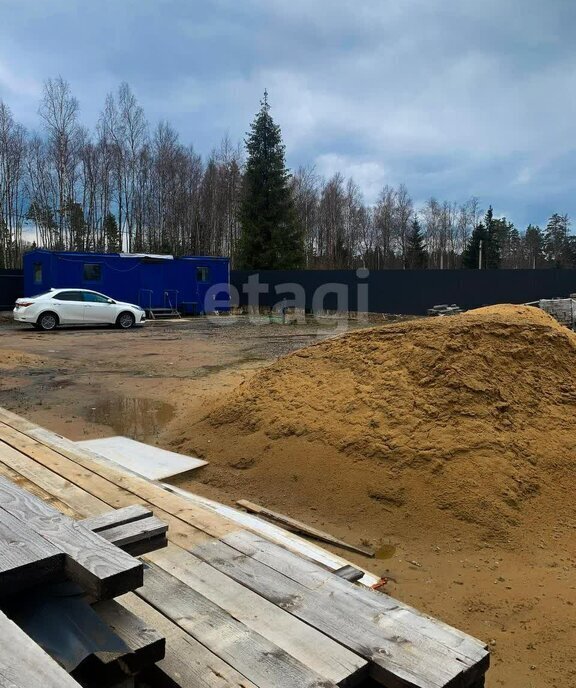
{"x":39,"y":545}
{"x":237,"y":610}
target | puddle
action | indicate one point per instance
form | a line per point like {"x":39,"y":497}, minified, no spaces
{"x":385,"y":552}
{"x":134,"y":417}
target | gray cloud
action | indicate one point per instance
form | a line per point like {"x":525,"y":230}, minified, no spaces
{"x":451,"y":97}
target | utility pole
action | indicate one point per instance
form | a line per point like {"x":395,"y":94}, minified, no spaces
{"x":480,"y":256}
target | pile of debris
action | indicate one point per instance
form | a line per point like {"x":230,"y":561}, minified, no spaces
{"x":562,"y":310}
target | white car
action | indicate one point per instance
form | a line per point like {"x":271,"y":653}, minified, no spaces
{"x":76,"y":307}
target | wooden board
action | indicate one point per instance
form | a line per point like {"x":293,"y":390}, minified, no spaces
{"x":312,"y":648}
{"x":144,"y":647}
{"x":99,"y":567}
{"x":273,"y":532}
{"x":117,"y":517}
{"x":85,"y":492}
{"x":26,"y":559}
{"x":250,"y":654}
{"x":400,"y":656}
{"x":146,"y":644}
{"x":23,"y":664}
{"x":144,"y":459}
{"x":187,"y":663}
{"x":78,"y":465}
{"x":135,"y":531}
{"x":312,"y":576}
{"x":350,"y":573}
{"x":302,"y":528}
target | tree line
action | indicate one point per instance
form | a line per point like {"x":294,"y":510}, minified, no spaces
{"x":128,"y":186}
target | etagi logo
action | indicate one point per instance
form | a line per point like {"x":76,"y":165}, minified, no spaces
{"x":327,"y":300}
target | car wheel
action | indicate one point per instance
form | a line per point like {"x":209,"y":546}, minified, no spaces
{"x":47,"y":321}
{"x":125,"y":320}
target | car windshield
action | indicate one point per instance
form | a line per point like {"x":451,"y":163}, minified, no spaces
{"x":36,"y":296}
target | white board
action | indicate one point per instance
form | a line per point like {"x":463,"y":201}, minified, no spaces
{"x":143,"y":459}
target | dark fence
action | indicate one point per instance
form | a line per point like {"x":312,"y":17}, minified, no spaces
{"x":399,"y":291}
{"x":11,"y":287}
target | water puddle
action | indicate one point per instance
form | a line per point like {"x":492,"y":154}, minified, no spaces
{"x":385,"y":552}
{"x":138,"y":418}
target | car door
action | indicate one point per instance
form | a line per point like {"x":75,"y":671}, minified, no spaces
{"x":98,"y":310}
{"x":69,"y":307}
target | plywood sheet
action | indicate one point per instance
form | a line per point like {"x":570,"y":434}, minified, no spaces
{"x":144,"y":459}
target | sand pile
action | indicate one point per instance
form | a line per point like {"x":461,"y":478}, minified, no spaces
{"x":472,"y":414}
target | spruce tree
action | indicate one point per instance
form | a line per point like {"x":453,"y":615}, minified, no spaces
{"x":111,"y":234}
{"x":471,"y":255}
{"x":534,"y":246}
{"x":271,"y":238}
{"x":77,"y":225}
{"x":556,"y":244}
{"x":493,"y":239}
{"x":416,"y":254}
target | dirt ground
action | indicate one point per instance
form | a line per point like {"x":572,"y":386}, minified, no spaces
{"x":157,"y":384}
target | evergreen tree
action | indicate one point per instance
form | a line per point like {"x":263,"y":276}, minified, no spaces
{"x":471,"y":255}
{"x":534,"y":246}
{"x":112,"y":234}
{"x":571,"y":252}
{"x":494,"y":231}
{"x":77,"y":225}
{"x":556,"y":243}
{"x":271,"y":238}
{"x":416,"y":254}
{"x":506,"y":238}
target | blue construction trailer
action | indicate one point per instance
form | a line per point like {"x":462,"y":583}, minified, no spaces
{"x":192,"y":285}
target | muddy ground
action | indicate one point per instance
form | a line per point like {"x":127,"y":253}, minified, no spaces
{"x":150,"y":383}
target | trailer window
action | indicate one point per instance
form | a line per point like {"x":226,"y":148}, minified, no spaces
{"x":202,"y":274}
{"x":92,"y":272}
{"x":37,"y":273}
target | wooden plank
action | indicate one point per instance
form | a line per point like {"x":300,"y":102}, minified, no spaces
{"x":48,"y":449}
{"x":302,"y":528}
{"x":260,"y":661}
{"x":26,"y":559}
{"x":187,"y":663}
{"x":85,"y":491}
{"x":144,"y":647}
{"x":274,"y":532}
{"x":100,"y":568}
{"x":36,"y":490}
{"x":137,"y":549}
{"x":136,"y":531}
{"x":48,"y":477}
{"x":23,"y":435}
{"x":350,"y":573}
{"x":23,"y":664}
{"x":117,"y":517}
{"x":326,"y":657}
{"x":400,"y":656}
{"x":313,"y":577}
{"x":146,"y":644}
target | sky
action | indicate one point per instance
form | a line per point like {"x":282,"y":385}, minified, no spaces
{"x":454,"y":98}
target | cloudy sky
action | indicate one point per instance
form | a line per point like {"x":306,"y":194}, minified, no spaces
{"x":454,"y":98}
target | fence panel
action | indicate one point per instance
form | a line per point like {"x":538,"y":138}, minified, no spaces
{"x":399,"y":291}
